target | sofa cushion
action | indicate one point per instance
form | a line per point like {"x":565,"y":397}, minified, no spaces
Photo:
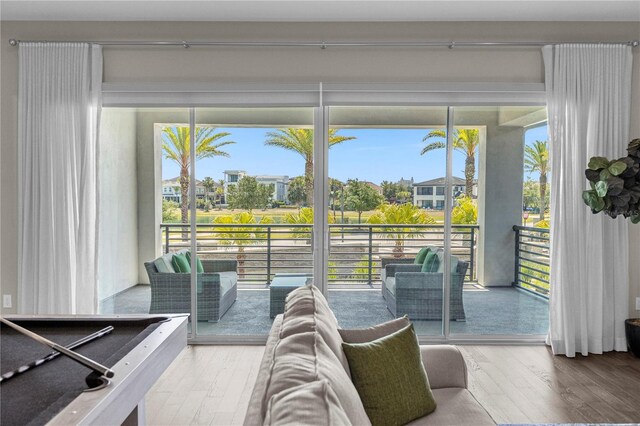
{"x":390,"y":283}
{"x":454,"y":264}
{"x":369,"y":334}
{"x":390,"y":378}
{"x":227,"y":281}
{"x":199,"y":267}
{"x":305,"y":357}
{"x":313,"y":403}
{"x":431,"y":262}
{"x":166,"y":261}
{"x":307,"y":310}
{"x":422,"y":254}
{"x":456,"y":406}
{"x":162,"y":266}
{"x":180,"y":263}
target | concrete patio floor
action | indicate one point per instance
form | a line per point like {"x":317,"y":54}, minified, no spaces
{"x":489,"y":311}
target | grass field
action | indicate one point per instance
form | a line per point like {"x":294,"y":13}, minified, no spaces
{"x":278,"y":215}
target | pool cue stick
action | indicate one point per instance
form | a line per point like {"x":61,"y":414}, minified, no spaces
{"x":98,"y":368}
{"x":55,"y":354}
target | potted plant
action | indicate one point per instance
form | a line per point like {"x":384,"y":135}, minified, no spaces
{"x":632,"y":330}
{"x":615,"y":190}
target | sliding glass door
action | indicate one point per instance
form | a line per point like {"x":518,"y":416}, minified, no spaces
{"x":388,"y":206}
{"x":254,"y":214}
{"x":386,"y":214}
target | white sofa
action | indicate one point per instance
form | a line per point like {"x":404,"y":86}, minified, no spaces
{"x":304,"y":376}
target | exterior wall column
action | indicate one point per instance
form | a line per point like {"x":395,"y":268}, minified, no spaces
{"x":499,"y":201}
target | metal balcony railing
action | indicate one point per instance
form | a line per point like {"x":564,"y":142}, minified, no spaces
{"x":532,"y":259}
{"x":355,"y":250}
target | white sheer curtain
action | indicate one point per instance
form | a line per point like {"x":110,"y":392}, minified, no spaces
{"x":588,"y":99}
{"x":59,"y":106}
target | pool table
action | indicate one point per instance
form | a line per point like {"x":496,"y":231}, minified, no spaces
{"x":138,"y":350}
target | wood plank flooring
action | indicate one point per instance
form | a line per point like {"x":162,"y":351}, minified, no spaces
{"x":516,"y":384}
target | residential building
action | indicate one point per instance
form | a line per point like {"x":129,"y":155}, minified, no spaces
{"x":280,"y":186}
{"x":429,"y":194}
{"x":171,"y":190}
{"x":280,"y":183}
{"x":373,"y":186}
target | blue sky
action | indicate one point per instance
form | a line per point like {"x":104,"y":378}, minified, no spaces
{"x":376,"y":155}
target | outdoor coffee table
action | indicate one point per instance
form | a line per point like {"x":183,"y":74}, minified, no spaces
{"x":281,"y":285}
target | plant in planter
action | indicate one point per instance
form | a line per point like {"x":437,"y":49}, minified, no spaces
{"x":615,"y":184}
{"x":632,"y":330}
{"x":615,"y":190}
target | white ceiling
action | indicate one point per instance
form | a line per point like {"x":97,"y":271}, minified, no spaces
{"x":322,"y":10}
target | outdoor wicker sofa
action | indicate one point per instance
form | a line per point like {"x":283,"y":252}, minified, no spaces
{"x":408,"y":291}
{"x":217,"y":289}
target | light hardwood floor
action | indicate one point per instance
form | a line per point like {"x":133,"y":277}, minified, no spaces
{"x":516,"y":384}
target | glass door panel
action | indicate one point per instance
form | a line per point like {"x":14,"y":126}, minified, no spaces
{"x":487,"y":211}
{"x":140,"y":216}
{"x":254,"y":214}
{"x":385,"y":207}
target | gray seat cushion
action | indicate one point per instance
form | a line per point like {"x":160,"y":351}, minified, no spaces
{"x":390,"y":283}
{"x":227,"y":281}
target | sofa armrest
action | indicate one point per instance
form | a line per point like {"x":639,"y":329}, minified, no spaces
{"x":445,"y":366}
{"x":392,"y":269}
{"x":210,"y":265}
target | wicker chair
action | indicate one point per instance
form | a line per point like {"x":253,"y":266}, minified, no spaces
{"x":171,"y":292}
{"x":384,"y":261}
{"x":419,"y":294}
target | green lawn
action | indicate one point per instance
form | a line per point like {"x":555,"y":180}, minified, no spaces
{"x":278,"y":215}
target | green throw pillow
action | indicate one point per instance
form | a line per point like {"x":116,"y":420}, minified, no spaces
{"x":422,"y":254}
{"x":431,"y":262}
{"x":390,"y":378}
{"x":199,"y":267}
{"x":180,"y":263}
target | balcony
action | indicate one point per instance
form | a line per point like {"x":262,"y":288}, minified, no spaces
{"x":354,"y":284}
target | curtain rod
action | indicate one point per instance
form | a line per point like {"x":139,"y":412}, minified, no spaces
{"x":325,"y":45}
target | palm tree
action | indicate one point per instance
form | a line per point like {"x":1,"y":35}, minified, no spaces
{"x":301,"y":141}
{"x":536,"y":159}
{"x":220,"y":193}
{"x":401,"y":216}
{"x":176,"y":144}
{"x":209,"y":186}
{"x":465,"y":141}
{"x":240,"y":236}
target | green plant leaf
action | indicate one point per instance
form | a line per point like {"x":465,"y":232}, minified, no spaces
{"x":598,"y":163}
{"x":592,"y":175}
{"x":601,"y":188}
{"x":592,"y":200}
{"x":635,"y":218}
{"x":617,"y":168}
{"x":615,"y":185}
{"x":604,"y":174}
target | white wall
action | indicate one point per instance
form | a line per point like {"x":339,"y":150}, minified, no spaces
{"x":289,"y":66}
{"x":118,"y":227}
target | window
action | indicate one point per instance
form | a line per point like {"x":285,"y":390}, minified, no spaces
{"x":439,"y":204}
{"x":233,"y":178}
{"x":425,"y":190}
{"x":440,"y":190}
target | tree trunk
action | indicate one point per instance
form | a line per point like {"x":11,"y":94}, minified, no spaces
{"x":359,"y":217}
{"x":184,"y":194}
{"x":308,"y":182}
{"x":240,"y":257}
{"x":469,"y":174}
{"x":398,"y":248}
{"x":543,"y":194}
